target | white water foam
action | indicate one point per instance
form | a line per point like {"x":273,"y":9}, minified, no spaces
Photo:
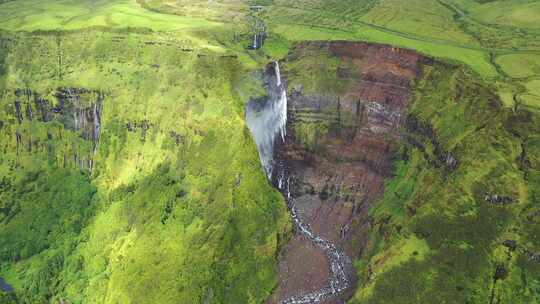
{"x":267,"y":119}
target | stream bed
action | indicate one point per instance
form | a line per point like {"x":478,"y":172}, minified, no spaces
{"x":267,"y":119}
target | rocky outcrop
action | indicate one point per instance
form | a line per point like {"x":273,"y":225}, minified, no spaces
{"x":419,"y":132}
{"x":77,"y":110}
{"x":496,"y":199}
{"x":533,"y":256}
{"x":512,"y":246}
{"x":79,"y":113}
{"x":143,"y":126}
{"x":337,"y":152}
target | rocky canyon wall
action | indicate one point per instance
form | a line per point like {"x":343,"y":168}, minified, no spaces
{"x":36,"y":122}
{"x":338,"y":150}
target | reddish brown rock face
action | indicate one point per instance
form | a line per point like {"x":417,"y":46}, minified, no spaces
{"x":338,"y":173}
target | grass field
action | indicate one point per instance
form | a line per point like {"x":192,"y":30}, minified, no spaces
{"x":520,"y":65}
{"x":423,"y":18}
{"x":31,"y":15}
{"x":222,"y":10}
{"x":532,"y":96}
{"x":518,"y":13}
{"x":428,"y":26}
{"x":477,"y":59}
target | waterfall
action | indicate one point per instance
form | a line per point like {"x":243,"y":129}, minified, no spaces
{"x":255,"y":41}
{"x":267,"y":118}
{"x":282,"y":102}
{"x":258,"y":40}
{"x":278,"y":73}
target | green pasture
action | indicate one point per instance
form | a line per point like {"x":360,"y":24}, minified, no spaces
{"x":423,"y":18}
{"x":186,"y":204}
{"x":517,"y":13}
{"x":32,"y":15}
{"x":532,"y":96}
{"x":520,"y":65}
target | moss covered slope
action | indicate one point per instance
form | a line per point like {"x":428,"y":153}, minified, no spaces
{"x":168,"y":205}
{"x":459,"y":221}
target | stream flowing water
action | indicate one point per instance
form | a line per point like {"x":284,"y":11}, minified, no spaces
{"x":267,"y":120}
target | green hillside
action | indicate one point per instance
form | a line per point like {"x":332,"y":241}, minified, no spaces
{"x":128,"y":175}
{"x":168,"y":205}
{"x":466,"y":250}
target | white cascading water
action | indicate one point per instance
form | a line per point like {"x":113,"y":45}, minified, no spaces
{"x":278,"y":74}
{"x":338,"y":280}
{"x":266,"y":119}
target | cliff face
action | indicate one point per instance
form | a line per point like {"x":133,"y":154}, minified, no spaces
{"x":64,"y":124}
{"x":154,"y":175}
{"x":454,"y":222}
{"x":338,"y":150}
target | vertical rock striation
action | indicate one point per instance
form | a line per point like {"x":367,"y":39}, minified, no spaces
{"x":76,"y":110}
{"x":331,"y":166}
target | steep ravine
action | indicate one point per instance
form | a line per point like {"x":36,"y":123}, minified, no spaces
{"x":267,"y":121}
{"x":332,"y":161}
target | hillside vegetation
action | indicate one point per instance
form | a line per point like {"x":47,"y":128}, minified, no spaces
{"x":458,"y":235}
{"x":167,"y":205}
{"x":127,"y":174}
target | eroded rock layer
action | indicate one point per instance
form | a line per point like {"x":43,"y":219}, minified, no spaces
{"x":337,"y":153}
{"x":64,"y":124}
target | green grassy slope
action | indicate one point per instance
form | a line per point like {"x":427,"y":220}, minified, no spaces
{"x":520,"y":13}
{"x":176,"y":207}
{"x":437,"y":238}
{"x":29,"y":15}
